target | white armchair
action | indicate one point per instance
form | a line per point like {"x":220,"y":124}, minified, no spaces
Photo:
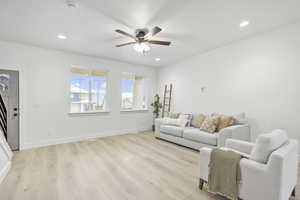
{"x":274,"y":180}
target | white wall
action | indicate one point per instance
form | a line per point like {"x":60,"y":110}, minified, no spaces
{"x":259,"y":75}
{"x":44,"y":96}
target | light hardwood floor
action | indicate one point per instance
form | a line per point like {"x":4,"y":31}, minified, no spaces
{"x":133,"y":167}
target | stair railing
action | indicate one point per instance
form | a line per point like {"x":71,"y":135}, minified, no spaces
{"x":3,"y":117}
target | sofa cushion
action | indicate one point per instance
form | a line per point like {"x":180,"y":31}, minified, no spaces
{"x":266,"y":144}
{"x":210,"y":124}
{"x":172,"y":130}
{"x":200,"y":136}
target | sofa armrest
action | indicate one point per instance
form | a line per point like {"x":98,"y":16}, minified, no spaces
{"x":239,"y":145}
{"x":158,"y":122}
{"x":240,"y":132}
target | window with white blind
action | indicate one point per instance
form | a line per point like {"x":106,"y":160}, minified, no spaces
{"x":133,"y":92}
{"x":88,"y":91}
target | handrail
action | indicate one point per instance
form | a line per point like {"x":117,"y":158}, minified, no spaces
{"x":3,"y":117}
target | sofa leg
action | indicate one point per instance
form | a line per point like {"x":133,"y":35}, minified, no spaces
{"x":294,"y":192}
{"x":201,"y":182}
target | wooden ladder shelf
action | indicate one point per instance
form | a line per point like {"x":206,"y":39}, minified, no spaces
{"x":167,"y":100}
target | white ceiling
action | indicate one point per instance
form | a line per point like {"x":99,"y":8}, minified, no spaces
{"x":193,"y":26}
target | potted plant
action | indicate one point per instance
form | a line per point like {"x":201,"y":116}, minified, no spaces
{"x":156,"y":109}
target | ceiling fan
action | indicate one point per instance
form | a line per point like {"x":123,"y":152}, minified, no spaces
{"x":142,"y":39}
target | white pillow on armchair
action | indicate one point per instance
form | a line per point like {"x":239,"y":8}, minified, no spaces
{"x":266,"y":144}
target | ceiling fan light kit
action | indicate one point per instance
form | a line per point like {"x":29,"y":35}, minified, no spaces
{"x":141,"y":47}
{"x":142,"y":39}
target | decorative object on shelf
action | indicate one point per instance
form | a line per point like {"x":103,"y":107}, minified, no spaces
{"x":156,"y":109}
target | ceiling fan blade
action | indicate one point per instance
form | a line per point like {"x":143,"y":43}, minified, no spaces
{"x":128,"y":43}
{"x":126,"y":34}
{"x":153,"y":32}
{"x":159,"y":42}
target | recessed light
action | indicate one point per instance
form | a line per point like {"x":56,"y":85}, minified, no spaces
{"x":157,"y":59}
{"x":61,"y":37}
{"x":244,"y":23}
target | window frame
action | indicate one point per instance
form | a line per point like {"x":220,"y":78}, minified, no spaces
{"x":135,"y":109}
{"x":89,"y":69}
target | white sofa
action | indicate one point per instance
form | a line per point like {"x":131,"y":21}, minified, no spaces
{"x":194,"y":138}
{"x":274,"y":180}
{"x":5,"y":157}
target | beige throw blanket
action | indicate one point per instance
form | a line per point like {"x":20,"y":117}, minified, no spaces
{"x":224,"y":173}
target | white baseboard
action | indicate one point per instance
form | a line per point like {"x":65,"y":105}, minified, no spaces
{"x":4,"y":171}
{"x":83,"y":137}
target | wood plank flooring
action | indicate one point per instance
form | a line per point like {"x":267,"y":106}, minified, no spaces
{"x":126,"y":167}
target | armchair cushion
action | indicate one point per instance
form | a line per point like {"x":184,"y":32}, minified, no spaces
{"x":266,"y":144}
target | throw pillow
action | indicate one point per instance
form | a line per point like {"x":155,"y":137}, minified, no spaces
{"x":174,"y":122}
{"x":174,"y":115}
{"x":210,"y":124}
{"x":187,"y":117}
{"x":200,"y":121}
{"x":224,"y":121}
{"x":266,"y":144}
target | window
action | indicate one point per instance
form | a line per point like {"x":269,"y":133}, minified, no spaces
{"x":88,"y":90}
{"x":133,"y":92}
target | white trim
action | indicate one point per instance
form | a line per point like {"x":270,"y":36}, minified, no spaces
{"x":88,"y":113}
{"x":134,"y":110}
{"x":146,"y":128}
{"x":84,"y":137}
{"x":5,"y":171}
